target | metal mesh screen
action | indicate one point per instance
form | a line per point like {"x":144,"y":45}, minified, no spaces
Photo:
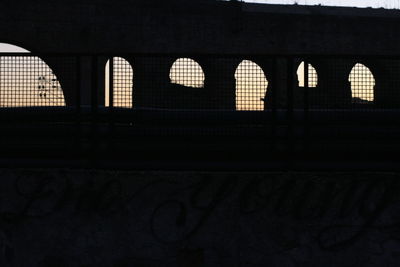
{"x":307,"y":93}
{"x":170,"y":83}
{"x":251,"y":86}
{"x":122,"y":83}
{"x":220,"y":83}
{"x":338,"y":89}
{"x":312,"y":76}
{"x":362,"y":84}
{"x":27,"y":81}
{"x":187,"y":72}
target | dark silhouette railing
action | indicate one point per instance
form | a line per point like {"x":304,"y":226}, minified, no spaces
{"x":236,"y":111}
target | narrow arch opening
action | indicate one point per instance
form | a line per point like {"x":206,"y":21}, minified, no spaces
{"x":27,"y":81}
{"x":312,"y":75}
{"x":187,"y":72}
{"x":362,"y":84}
{"x":122,"y":83}
{"x":251,"y":86}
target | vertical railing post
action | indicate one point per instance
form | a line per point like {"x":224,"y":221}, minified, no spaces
{"x":111,"y":83}
{"x":306,"y":103}
{"x":94,"y":88}
{"x":273,"y":88}
{"x":290,"y":112}
{"x":78,"y":84}
{"x":306,"y":87}
{"x":94,"y":107}
{"x":111,"y":101}
{"x":78,"y":121}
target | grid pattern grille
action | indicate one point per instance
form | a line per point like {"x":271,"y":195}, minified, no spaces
{"x":27,"y":81}
{"x":162,"y":82}
{"x":312,"y":76}
{"x":122,"y":83}
{"x":362,"y":84}
{"x":251,"y":86}
{"x":187,"y":72}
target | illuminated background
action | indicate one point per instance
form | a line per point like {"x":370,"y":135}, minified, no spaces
{"x":28,"y":81}
{"x":351,"y":3}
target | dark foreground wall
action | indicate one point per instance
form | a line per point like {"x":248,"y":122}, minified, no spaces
{"x":127,"y":26}
{"x":66,"y":217}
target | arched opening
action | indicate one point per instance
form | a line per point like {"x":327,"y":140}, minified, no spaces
{"x":362,"y":84}
{"x":312,"y":75}
{"x":251,"y":86}
{"x":187,"y":72}
{"x":122,"y":83}
{"x":27,"y":81}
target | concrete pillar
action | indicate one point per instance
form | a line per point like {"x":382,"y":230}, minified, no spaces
{"x":101,"y":78}
{"x":267,"y":65}
{"x":220,"y":84}
{"x":91,"y":73}
{"x":151,"y":81}
{"x":66,"y":72}
{"x":276,"y":72}
{"x":333,"y":89}
{"x":387,"y":82}
{"x":303,"y":95}
{"x":153,"y":88}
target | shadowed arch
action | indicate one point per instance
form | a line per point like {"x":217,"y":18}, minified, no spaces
{"x":251,"y":86}
{"x":122,"y":83}
{"x":27,"y":81}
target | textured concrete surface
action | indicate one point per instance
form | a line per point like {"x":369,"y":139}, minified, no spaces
{"x":61,"y":217}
